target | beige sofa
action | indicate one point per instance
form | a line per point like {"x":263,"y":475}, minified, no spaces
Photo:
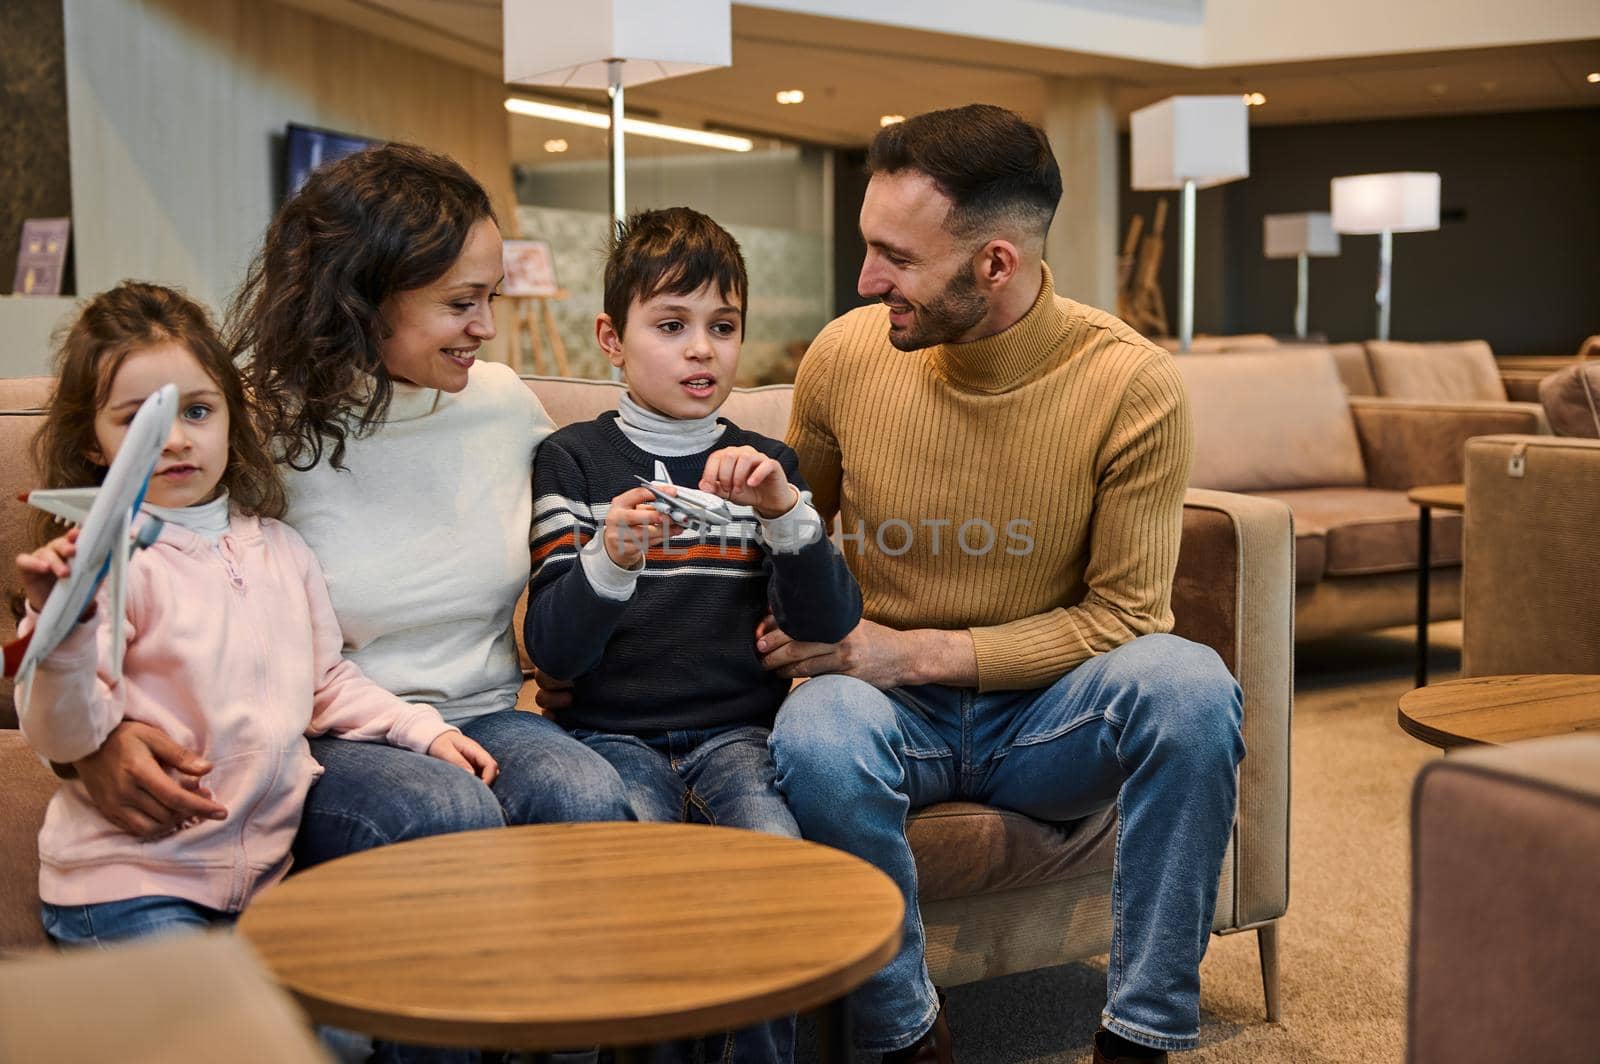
{"x":1001,"y":893}
{"x":1278,"y":424}
{"x":1505,"y":933}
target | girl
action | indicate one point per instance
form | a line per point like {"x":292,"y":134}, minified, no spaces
{"x":233,"y":649}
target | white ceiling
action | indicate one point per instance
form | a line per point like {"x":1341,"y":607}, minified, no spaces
{"x":852,"y":73}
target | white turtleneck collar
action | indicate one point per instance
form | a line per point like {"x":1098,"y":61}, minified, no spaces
{"x":668,"y":437}
{"x":208,"y":520}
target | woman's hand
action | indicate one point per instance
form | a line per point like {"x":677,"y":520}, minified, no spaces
{"x":41,"y":569}
{"x":147,"y":784}
{"x":745,"y":476}
{"x":457,"y":749}
{"x":633,"y":526}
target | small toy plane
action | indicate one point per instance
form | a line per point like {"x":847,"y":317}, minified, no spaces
{"x":106,"y":516}
{"x":689,"y":507}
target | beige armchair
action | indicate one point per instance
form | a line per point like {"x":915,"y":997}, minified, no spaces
{"x":1505,"y":932}
{"x":1531,"y":585}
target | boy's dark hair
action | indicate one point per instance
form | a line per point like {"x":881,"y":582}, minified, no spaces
{"x":674,"y":250}
{"x":385,"y":220}
{"x":992,"y":164}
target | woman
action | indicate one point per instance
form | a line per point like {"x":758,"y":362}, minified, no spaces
{"x":407,"y":468}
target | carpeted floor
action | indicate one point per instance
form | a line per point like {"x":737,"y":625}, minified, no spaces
{"x":1343,"y":942}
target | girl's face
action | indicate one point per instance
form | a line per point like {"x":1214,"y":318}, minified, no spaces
{"x":436,"y":330}
{"x":196,"y":452}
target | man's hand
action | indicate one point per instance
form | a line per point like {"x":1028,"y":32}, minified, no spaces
{"x":554,"y":695}
{"x":882,"y":656}
{"x":745,"y":476}
{"x":145,"y":783}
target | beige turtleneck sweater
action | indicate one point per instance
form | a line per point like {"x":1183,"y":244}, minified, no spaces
{"x":1027,"y":486}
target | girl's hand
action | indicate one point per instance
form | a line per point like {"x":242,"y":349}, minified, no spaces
{"x":745,"y":476}
{"x":633,"y":526}
{"x":457,"y":749}
{"x":41,"y":569}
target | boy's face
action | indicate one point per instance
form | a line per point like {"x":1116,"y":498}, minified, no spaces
{"x":681,"y":352}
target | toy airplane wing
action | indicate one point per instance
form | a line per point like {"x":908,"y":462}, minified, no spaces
{"x":105,"y":515}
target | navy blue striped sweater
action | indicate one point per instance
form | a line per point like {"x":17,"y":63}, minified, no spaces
{"x":681,"y":652}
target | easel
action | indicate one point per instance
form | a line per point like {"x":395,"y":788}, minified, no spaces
{"x":525,"y":316}
{"x":1140,"y":304}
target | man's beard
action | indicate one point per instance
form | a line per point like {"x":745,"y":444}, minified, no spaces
{"x":945,"y":318}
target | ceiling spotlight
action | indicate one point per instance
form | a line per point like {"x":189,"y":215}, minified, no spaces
{"x":890,"y":120}
{"x":1254,"y":99}
{"x":1594,"y":79}
{"x":555,"y":145}
{"x":791,"y":96}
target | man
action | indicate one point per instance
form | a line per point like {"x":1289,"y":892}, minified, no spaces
{"x":1009,"y":469}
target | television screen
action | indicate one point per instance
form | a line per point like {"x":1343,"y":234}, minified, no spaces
{"x":307,"y":148}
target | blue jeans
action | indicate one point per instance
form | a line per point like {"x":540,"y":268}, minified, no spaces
{"x":1152,"y":726}
{"x":372,"y":795}
{"x":108,"y":922}
{"x":721,"y":776}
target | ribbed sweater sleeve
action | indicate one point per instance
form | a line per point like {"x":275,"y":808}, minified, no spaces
{"x":812,"y":594}
{"x":568,"y":624}
{"x":809,"y":432}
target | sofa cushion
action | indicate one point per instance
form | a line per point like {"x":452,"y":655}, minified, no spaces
{"x":1571,"y":399}
{"x":1271,"y":421}
{"x":963,"y":849}
{"x":1355,"y":370}
{"x":1370,"y":531}
{"x":27,"y":786}
{"x":16,"y":477}
{"x":1464,"y":370}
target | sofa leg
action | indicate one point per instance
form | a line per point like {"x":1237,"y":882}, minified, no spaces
{"x":1267,"y":943}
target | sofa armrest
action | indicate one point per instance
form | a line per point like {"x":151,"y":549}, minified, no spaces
{"x":1505,"y":852}
{"x":1234,"y":592}
{"x":27,"y":786}
{"x":1529,"y":578}
{"x":1408,"y":442}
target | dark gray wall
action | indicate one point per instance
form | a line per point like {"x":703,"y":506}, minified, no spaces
{"x":35,"y":176}
{"x":1516,"y":260}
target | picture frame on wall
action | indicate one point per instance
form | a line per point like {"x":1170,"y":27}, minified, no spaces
{"x":41,"y":256}
{"x":530,"y":269}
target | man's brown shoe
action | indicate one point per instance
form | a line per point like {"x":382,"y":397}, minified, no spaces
{"x":932,"y":1048}
{"x":1103,"y":1039}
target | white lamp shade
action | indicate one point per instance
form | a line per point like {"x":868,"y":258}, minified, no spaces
{"x":558,"y":42}
{"x":1204,"y":139}
{"x":1405,"y":202}
{"x":1289,"y":236}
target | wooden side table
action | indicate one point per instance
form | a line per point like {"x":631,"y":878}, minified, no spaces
{"x":1427,"y":498}
{"x":562,"y":935}
{"x":1501,"y":709}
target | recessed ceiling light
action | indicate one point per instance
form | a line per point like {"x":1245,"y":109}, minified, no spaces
{"x":890,"y":120}
{"x":1594,"y":79}
{"x":555,"y":145}
{"x":791,"y":96}
{"x":1254,"y":99}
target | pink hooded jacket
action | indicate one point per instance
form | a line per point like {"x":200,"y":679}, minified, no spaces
{"x":234,"y":651}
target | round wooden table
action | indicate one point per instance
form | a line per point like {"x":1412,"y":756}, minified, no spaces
{"x":563,"y":935}
{"x":1501,"y":709}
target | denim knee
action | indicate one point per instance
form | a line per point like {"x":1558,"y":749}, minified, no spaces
{"x":1183,"y":691}
{"x":832,"y":731}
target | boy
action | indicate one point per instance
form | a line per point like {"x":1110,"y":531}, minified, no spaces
{"x":653,"y":621}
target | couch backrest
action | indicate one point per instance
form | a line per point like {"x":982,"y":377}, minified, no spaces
{"x":1271,"y":421}
{"x":1464,"y":370}
{"x":764,"y":410}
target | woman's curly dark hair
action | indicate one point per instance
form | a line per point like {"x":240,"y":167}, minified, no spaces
{"x":308,"y":320}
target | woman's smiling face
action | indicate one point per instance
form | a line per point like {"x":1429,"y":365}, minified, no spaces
{"x":435,"y":331}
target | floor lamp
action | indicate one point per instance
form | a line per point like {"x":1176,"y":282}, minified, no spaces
{"x":1386,"y":204}
{"x":1302,"y":237}
{"x":1189,"y":142}
{"x":612,"y":44}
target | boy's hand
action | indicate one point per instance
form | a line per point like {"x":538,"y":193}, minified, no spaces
{"x":457,"y":749}
{"x":41,"y":569}
{"x":745,"y":476}
{"x":633,"y":526}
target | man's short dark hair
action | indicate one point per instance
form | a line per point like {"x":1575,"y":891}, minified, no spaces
{"x":673,"y":250}
{"x":994,"y":165}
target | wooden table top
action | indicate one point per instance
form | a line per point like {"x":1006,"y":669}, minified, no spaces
{"x":563,"y":935}
{"x":1501,"y":709}
{"x":1440,"y":496}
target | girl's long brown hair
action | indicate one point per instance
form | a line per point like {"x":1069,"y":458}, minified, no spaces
{"x":111,"y":326}
{"x":308,"y":319}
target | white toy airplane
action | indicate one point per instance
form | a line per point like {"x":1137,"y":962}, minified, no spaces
{"x":106,"y":515}
{"x":690,"y":507}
